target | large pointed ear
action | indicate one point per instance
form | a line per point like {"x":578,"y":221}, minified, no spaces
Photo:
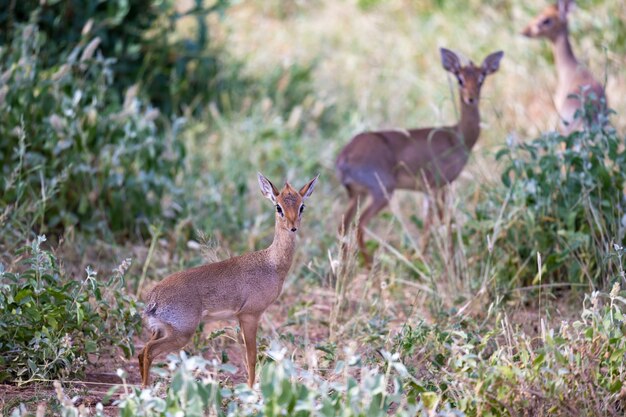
{"x":450,"y":60}
{"x":492,"y":63}
{"x":564,"y":6}
{"x":307,"y":190}
{"x":267,"y":188}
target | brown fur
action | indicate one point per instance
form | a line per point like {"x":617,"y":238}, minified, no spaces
{"x":551,"y":24}
{"x":241,"y":287}
{"x":377,"y":163}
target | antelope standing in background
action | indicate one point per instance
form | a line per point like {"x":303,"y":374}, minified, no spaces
{"x":241,"y":287}
{"x":551,"y":23}
{"x":377,"y":163}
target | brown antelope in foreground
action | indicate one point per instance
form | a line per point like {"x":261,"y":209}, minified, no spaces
{"x":241,"y":287}
{"x":377,"y":163}
{"x":551,"y":23}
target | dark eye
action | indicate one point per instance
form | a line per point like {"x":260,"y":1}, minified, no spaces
{"x":461,"y":83}
{"x":546,"y":21}
{"x":279,"y":209}
{"x":301,"y":208}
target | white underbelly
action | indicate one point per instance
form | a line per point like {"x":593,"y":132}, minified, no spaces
{"x":219,"y":315}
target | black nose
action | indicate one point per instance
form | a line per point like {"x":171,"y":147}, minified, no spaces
{"x":293,"y":229}
{"x":471,"y":100}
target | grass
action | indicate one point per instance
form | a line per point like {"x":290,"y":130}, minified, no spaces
{"x":385,"y":61}
{"x":325,"y":71}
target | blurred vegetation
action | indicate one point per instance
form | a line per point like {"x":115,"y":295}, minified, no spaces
{"x":174,"y":72}
{"x":73,"y":154}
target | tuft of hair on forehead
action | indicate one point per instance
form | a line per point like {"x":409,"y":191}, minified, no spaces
{"x":288,"y":188}
{"x":290,"y":195}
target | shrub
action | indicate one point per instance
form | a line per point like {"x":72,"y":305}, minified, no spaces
{"x":173,"y":71}
{"x":72,"y":155}
{"x":50,"y":323}
{"x":561,"y":197}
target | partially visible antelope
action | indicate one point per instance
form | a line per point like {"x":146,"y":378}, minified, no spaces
{"x":241,"y":287}
{"x":573,"y":77}
{"x":427,"y":159}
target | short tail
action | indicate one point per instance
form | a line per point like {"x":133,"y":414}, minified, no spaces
{"x":150,"y":309}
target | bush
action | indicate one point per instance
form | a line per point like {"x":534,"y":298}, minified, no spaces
{"x":173,"y":71}
{"x":72,"y":155}
{"x":50,"y":323}
{"x":561,"y":197}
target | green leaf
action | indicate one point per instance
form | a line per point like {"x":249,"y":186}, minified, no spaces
{"x":430,"y":400}
{"x":52,"y":322}
{"x":617,"y":356}
{"x":91,"y":346}
{"x":80,"y":314}
{"x":23,"y":294}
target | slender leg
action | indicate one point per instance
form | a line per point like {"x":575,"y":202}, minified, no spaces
{"x":172,"y":340}
{"x":377,"y":204}
{"x":155,"y":335}
{"x":249,"y":325}
{"x":140,"y":357}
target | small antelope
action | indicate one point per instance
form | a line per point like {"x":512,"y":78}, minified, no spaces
{"x":551,"y":23}
{"x":377,"y":163}
{"x":241,"y":287}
